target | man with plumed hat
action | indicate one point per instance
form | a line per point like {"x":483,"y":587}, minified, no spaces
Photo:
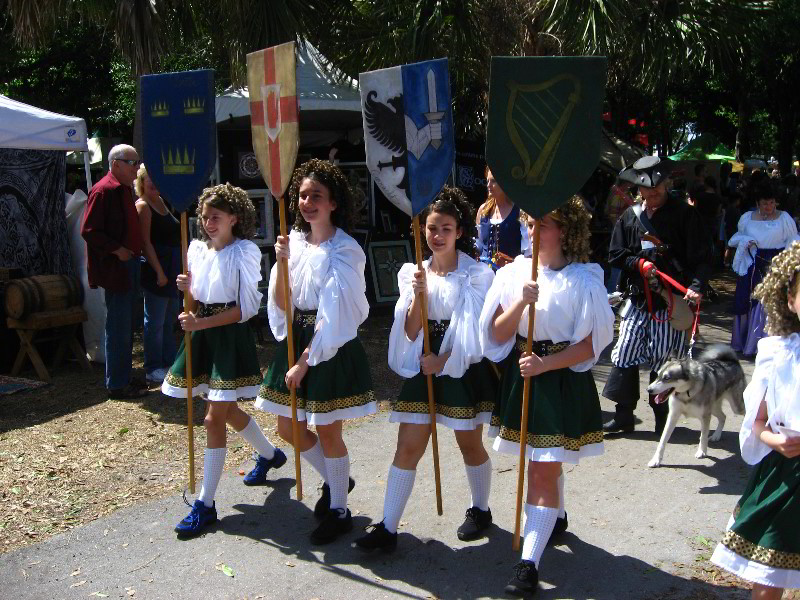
{"x":666,"y":234}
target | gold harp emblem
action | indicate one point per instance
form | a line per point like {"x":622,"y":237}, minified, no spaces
{"x":538,"y":113}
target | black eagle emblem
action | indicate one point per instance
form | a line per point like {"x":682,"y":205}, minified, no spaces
{"x":387,"y":126}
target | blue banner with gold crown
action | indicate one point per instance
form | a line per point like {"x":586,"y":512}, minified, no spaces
{"x":179,"y":142}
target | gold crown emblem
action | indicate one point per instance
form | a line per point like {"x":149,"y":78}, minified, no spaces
{"x":177,"y":164}
{"x":159,"y":109}
{"x":194,"y":106}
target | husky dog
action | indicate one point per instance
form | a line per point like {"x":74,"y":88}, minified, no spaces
{"x":696,"y":388}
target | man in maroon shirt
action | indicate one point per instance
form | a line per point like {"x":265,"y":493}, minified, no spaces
{"x":114,"y":244}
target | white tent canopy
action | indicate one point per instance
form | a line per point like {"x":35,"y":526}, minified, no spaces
{"x":27,"y":127}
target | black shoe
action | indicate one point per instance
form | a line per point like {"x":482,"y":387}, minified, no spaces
{"x":475,"y":521}
{"x":323,"y":505}
{"x":332,"y":526}
{"x":618,"y":425}
{"x":378,"y":538}
{"x":561,"y":527}
{"x":525,"y":580}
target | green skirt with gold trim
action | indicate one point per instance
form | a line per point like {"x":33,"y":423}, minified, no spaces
{"x":224,"y":362}
{"x":461,"y":404}
{"x":565,"y":422}
{"x":763,"y":543}
{"x":339,"y":388}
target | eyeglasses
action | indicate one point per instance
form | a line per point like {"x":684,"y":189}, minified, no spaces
{"x":134,"y":162}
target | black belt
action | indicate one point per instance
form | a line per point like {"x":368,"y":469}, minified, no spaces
{"x":540,"y":347}
{"x":305,"y":318}
{"x":207,"y":310}
{"x":438,"y":327}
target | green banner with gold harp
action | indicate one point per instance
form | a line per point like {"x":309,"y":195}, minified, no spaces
{"x":545,"y":126}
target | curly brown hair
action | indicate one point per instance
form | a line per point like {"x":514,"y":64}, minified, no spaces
{"x":573,"y":219}
{"x":331,"y":176}
{"x":780,"y":284}
{"x":232,"y":200}
{"x":452,"y":201}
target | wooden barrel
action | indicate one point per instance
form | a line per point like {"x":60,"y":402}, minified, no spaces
{"x":42,"y":292}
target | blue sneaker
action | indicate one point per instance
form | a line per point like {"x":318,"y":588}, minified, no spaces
{"x":200,"y":517}
{"x":258,"y":476}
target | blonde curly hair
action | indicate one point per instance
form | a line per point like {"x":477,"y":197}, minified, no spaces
{"x":232,"y":200}
{"x":573,"y":219}
{"x":138,"y":183}
{"x":781,"y":284}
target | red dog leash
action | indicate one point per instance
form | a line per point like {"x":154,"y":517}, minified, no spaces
{"x":669,"y":283}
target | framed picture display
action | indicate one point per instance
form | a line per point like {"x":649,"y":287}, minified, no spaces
{"x":364,"y":202}
{"x":385,"y":260}
{"x":192,"y":227}
{"x":265,"y":223}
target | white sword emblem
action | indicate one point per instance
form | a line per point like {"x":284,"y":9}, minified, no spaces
{"x":434,"y":115}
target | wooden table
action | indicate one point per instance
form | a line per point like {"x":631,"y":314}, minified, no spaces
{"x":64,"y":324}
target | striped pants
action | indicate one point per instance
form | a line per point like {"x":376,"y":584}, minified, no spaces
{"x":642,"y":340}
{"x":645,"y":340}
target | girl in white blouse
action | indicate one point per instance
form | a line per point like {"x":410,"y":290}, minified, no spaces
{"x":573,"y":325}
{"x":465,"y":386}
{"x":762,"y":541}
{"x":223,"y":274}
{"x":328,"y":303}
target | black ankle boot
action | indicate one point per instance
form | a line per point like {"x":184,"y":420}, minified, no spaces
{"x":622,"y":421}
{"x":323,"y":505}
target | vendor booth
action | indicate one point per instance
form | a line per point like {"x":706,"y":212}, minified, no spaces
{"x":35,"y":232}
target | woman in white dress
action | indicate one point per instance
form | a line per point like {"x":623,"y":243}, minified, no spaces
{"x":762,"y":233}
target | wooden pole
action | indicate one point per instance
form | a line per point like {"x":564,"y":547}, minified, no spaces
{"x":526,"y":392}
{"x":426,"y":345}
{"x":287,"y":299}
{"x":188,"y":304}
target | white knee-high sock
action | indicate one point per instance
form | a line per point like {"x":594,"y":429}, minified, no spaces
{"x":338,"y":480}
{"x":398,"y":491}
{"x":562,"y":511}
{"x":256,"y":438}
{"x":480,"y":483}
{"x":316,"y":459}
{"x":213,"y":464}
{"x":539,"y":523}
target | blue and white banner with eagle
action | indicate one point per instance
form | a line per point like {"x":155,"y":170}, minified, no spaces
{"x":408,"y":131}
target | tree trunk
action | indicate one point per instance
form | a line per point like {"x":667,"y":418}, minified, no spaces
{"x":665,"y":149}
{"x":742,"y":143}
{"x":787,"y":133}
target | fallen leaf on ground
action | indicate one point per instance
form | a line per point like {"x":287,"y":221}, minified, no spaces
{"x":77,"y":583}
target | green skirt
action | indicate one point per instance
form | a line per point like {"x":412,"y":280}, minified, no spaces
{"x":763,"y":543}
{"x":461,"y":404}
{"x":338,"y":388}
{"x":565,"y":422}
{"x":224,"y":362}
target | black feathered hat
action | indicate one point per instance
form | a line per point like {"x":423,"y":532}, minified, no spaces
{"x":648,"y":171}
